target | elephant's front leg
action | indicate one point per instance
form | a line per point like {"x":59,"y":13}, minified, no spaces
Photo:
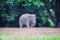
{"x":33,"y":24}
{"x":28,"y":24}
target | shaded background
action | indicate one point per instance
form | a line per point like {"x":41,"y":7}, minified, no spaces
{"x":11,"y":10}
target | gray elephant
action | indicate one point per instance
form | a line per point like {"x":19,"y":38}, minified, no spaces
{"x":27,"y":19}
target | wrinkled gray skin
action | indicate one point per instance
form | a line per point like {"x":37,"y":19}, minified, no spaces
{"x":27,"y":19}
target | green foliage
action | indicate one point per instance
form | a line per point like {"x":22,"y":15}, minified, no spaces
{"x":38,"y":3}
{"x":10,"y":1}
{"x":16,"y":8}
{"x":10,"y":18}
{"x":26,"y":4}
{"x":17,"y":0}
{"x":30,"y":0}
{"x":51,"y":23}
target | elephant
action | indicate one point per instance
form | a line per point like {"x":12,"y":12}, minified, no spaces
{"x":27,"y":19}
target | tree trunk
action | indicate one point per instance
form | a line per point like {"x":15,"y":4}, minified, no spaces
{"x":57,"y":9}
{"x":50,"y":15}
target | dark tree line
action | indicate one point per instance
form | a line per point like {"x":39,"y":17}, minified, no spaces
{"x":11,"y":10}
{"x":57,"y":10}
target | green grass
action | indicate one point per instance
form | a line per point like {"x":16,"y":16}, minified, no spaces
{"x":9,"y":36}
{"x":40,"y":38}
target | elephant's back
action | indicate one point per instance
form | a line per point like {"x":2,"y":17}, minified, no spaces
{"x":24,"y":18}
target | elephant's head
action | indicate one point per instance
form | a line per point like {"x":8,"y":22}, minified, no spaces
{"x":32,"y":18}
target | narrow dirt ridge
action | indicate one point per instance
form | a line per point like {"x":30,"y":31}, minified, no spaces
{"x":25,"y":32}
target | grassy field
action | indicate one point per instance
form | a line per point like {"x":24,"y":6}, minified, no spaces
{"x":27,"y":34}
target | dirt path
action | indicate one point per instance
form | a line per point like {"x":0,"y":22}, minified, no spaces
{"x":25,"y":32}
